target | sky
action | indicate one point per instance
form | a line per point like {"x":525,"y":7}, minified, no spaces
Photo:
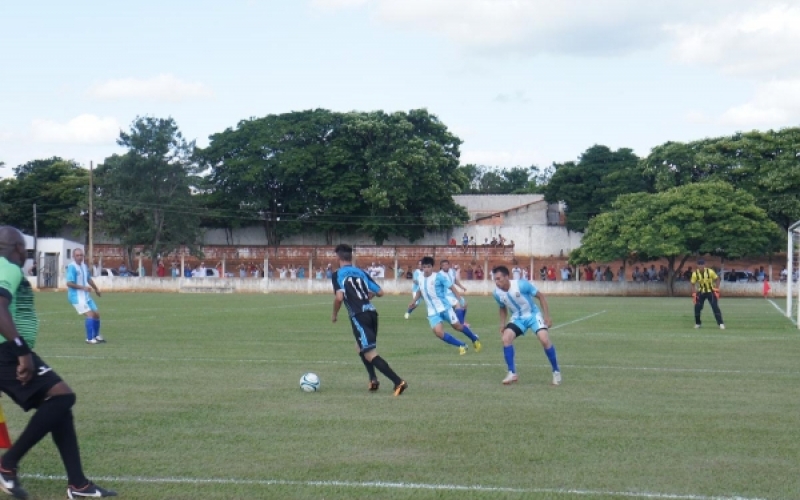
{"x":521,"y":82}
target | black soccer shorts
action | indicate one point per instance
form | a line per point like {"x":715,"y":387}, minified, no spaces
{"x":30,"y":395}
{"x":365,"y":329}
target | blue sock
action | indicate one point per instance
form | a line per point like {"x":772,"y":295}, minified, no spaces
{"x":466,"y":331}
{"x":460,"y":314}
{"x":551,"y":355}
{"x":508,"y":352}
{"x":89,"y":323}
{"x":452,"y":340}
{"x":409,"y":311}
{"x":96,"y":326}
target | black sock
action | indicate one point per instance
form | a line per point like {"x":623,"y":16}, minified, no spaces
{"x":66,"y":441}
{"x":370,"y":368}
{"x":381,"y":364}
{"x":50,"y":415}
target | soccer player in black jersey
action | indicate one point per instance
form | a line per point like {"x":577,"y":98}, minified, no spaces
{"x":355,"y":289}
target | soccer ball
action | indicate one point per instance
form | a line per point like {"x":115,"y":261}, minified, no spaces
{"x":309,"y":382}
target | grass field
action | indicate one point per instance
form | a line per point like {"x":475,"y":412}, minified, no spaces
{"x":197,"y":397}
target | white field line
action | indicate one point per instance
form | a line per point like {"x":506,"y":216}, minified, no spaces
{"x":783,"y":313}
{"x":577,"y":320}
{"x":349,"y":363}
{"x":395,"y":486}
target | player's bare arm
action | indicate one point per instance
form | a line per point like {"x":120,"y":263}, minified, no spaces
{"x":545,"y":309}
{"x":9,"y":331}
{"x":96,"y":290}
{"x":337,"y":304}
{"x":413,"y":303}
{"x":503,"y":319}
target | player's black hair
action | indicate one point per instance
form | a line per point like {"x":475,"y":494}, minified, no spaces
{"x":427,"y":261}
{"x":344,"y":252}
{"x":500,"y":269}
{"x":443,"y":261}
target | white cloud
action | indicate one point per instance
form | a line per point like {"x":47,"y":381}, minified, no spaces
{"x":775,"y":104}
{"x":83,"y":129}
{"x":764,"y":40}
{"x":583,"y":27}
{"x":164,"y":87}
{"x":518,"y":96}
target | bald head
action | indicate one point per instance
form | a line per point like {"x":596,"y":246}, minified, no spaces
{"x":12,"y":245}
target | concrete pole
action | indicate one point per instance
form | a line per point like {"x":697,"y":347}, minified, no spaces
{"x":182,"y":264}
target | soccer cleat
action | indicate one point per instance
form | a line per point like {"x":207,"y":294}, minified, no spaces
{"x":697,"y":326}
{"x":556,"y":378}
{"x":477,"y":346}
{"x":462,"y":350}
{"x":100,"y":338}
{"x":406,"y":315}
{"x":722,"y":326}
{"x":510,"y":378}
{"x":400,"y":388}
{"x":374,"y":385}
{"x":10,"y":484}
{"x":91,"y":490}
{"x":92,"y":341}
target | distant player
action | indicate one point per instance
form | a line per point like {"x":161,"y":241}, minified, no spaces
{"x":459,"y":305}
{"x":355,"y":288}
{"x":518,"y":295}
{"x":79,"y":289}
{"x":433,"y":288}
{"x":705,"y":286}
{"x":415,"y":288}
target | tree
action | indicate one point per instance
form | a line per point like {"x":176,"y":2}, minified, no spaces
{"x":58,"y":187}
{"x":766,"y":164}
{"x":145,"y":194}
{"x":695,"y":219}
{"x":482,"y":179}
{"x":380,"y":174}
{"x":591,"y":185}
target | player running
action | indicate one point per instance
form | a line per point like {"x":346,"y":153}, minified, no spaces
{"x":518,"y":295}
{"x":459,"y":305}
{"x":415,"y":288}
{"x":433,"y":288}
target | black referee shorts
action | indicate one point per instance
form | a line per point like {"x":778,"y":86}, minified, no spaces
{"x":30,"y":395}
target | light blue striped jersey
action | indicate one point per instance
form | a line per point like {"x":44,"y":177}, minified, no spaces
{"x":78,"y":274}
{"x":417,"y":280}
{"x":434,"y":290}
{"x":518,"y":298}
{"x":451,"y":275}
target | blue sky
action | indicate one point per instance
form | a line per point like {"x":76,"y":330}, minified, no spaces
{"x":521,"y":82}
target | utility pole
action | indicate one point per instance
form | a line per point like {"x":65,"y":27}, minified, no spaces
{"x":91,"y":216}
{"x":35,"y":247}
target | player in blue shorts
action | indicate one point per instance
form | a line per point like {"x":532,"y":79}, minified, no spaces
{"x":518,"y":296}
{"x":415,"y":288}
{"x":79,"y":288}
{"x":433,"y":288}
{"x":459,"y":305}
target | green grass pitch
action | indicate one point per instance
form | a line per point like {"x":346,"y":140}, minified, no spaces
{"x":197,"y":397}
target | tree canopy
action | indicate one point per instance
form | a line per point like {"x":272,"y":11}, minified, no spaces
{"x":695,"y":219}
{"x":381,"y":174}
{"x":145,"y":194}
{"x":591,"y":185}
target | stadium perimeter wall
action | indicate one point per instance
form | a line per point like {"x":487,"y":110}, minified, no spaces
{"x":403,"y":287}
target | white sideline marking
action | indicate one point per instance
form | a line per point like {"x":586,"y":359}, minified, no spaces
{"x":577,"y":320}
{"x":396,"y":485}
{"x":783,"y":313}
{"x":492,"y":365}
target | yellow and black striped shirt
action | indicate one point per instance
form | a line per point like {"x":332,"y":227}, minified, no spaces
{"x":704,"y":280}
{"x":14,"y":286}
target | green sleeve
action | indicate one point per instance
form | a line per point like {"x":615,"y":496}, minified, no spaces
{"x":10,"y":276}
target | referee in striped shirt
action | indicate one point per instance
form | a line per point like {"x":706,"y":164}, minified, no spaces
{"x":705,"y":286}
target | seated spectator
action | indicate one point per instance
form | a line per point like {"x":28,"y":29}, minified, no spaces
{"x":543,"y":273}
{"x":478,"y":273}
{"x":452,"y":242}
{"x":588,"y":273}
{"x":486,"y":242}
{"x":761,"y":276}
{"x":494,"y":241}
{"x":637,"y":275}
{"x":608,"y":275}
{"x":784,"y":275}
{"x":551,"y":273}
{"x":621,"y":274}
{"x":470,"y":272}
{"x":465,"y":242}
{"x":501,"y":242}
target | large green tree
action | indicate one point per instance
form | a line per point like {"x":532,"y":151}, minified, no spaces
{"x":145,"y":194}
{"x":59,"y":189}
{"x":381,"y":174}
{"x":591,"y":185}
{"x":766,"y":164}
{"x":482,"y":179}
{"x":695,"y":219}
